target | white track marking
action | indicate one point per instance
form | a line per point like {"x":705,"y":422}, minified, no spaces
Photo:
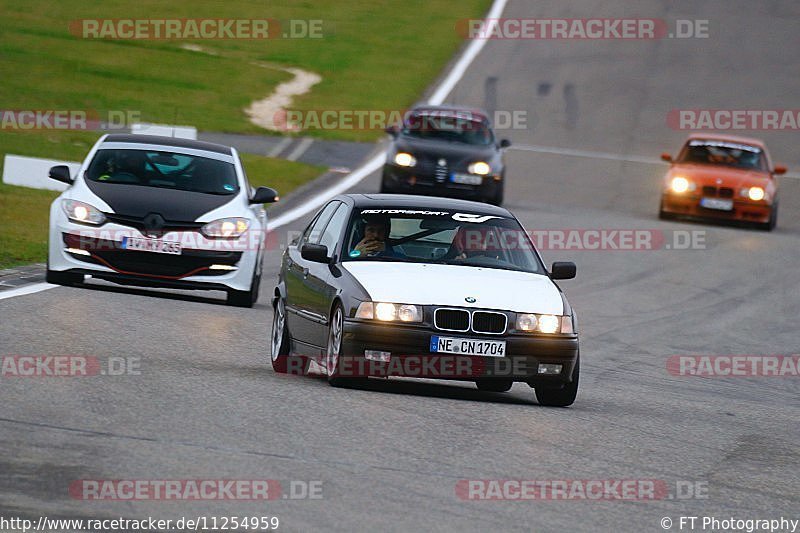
{"x":27,"y":289}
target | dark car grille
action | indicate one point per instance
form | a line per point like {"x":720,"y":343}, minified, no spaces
{"x":451,"y":319}
{"x":140,"y":224}
{"x":722,"y":192}
{"x":485,"y":322}
{"x":190,"y":262}
{"x":440,"y":172}
{"x":459,"y":320}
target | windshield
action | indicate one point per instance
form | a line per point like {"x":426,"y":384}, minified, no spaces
{"x":440,"y":237}
{"x":164,"y":170}
{"x":454,"y":128}
{"x":723,"y":153}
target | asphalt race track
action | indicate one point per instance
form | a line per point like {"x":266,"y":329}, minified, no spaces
{"x":207,"y":405}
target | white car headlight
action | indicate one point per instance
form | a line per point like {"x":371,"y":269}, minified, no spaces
{"x":756,"y":193}
{"x":530,"y":322}
{"x":679,"y":184}
{"x":404,"y":159}
{"x":227,"y":228}
{"x":480,"y":168}
{"x":389,"y":312}
{"x":82,"y":212}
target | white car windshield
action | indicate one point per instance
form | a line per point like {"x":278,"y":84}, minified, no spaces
{"x":440,"y":237}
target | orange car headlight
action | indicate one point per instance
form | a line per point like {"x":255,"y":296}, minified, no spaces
{"x":680,"y":185}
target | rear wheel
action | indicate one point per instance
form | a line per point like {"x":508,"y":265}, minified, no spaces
{"x":494,"y":385}
{"x":561,"y":397}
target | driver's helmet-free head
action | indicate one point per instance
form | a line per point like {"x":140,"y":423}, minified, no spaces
{"x":375,"y":220}
{"x":131,"y":161}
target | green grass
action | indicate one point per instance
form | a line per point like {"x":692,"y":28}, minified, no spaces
{"x":373,"y":56}
{"x":24,"y":212}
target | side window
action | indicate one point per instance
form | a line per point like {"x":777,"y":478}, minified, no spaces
{"x":313,"y":233}
{"x":334,"y":228}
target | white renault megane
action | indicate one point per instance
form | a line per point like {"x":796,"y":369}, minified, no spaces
{"x":160,"y":212}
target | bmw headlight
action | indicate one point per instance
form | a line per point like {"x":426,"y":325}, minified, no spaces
{"x":535,"y":323}
{"x":679,"y":184}
{"x":389,"y":312}
{"x":480,"y":168}
{"x":83,"y":213}
{"x":756,"y":193}
{"x":404,"y":159}
{"x":226,"y":228}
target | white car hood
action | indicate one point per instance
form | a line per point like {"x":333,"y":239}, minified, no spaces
{"x":432,"y":284}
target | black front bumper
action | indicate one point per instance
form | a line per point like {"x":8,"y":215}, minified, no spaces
{"x":411,"y":356}
{"x":410,"y":180}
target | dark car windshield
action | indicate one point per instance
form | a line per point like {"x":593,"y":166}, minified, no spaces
{"x":440,"y":237}
{"x":465,"y":129}
{"x":723,"y":153}
{"x":164,"y":170}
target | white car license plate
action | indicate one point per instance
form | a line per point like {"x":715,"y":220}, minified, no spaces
{"x":466,"y":179}
{"x":151,"y":245}
{"x":468,"y":346}
{"x":717,"y":203}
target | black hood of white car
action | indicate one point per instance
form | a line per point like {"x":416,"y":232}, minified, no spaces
{"x":173,"y":205}
{"x":454,"y":153}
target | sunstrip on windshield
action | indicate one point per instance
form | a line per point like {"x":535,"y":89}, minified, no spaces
{"x":460,"y":217}
{"x":726,"y":144}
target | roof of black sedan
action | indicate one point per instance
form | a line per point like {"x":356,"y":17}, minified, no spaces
{"x":168,"y":141}
{"x":409,"y":201}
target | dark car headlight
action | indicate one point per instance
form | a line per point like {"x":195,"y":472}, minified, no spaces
{"x":404,"y":159}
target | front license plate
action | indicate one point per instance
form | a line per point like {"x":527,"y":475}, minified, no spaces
{"x":151,"y":245}
{"x":717,"y":203}
{"x":468,"y":346}
{"x":466,"y":179}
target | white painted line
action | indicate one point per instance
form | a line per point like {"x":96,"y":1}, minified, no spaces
{"x":376,"y":162}
{"x":27,"y":289}
{"x":469,"y":55}
{"x":300,"y":149}
{"x":286,"y":141}
{"x":601,"y":155}
{"x":586,"y":153}
{"x":316,"y":201}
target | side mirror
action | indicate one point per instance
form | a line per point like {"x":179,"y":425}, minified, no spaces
{"x":264,"y":195}
{"x":563,"y":270}
{"x":505,"y":143}
{"x":666,"y":157}
{"x":392,"y":130}
{"x":61,"y":173}
{"x":779,"y":170}
{"x":317,"y":253}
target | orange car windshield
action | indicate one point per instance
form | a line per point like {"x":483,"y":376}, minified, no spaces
{"x":723,"y":153}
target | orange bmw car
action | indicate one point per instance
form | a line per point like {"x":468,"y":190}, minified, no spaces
{"x":722,"y":177}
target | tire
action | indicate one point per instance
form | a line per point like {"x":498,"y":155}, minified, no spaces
{"x":773,"y":220}
{"x":333,"y":351}
{"x":63,"y":278}
{"x":280,"y":339}
{"x":563,"y":397}
{"x":385,"y":188}
{"x":663,"y":215}
{"x":246,"y":298}
{"x":497,"y":199}
{"x":494,"y":385}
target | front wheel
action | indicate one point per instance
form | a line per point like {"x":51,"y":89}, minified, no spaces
{"x":63,"y":278}
{"x":246,"y":298}
{"x":773,"y":219}
{"x":333,"y":354}
{"x":280,"y":339}
{"x":563,"y":397}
